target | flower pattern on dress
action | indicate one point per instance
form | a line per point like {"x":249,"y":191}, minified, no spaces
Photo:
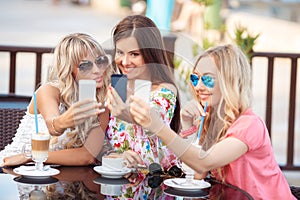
{"x":125,"y":136}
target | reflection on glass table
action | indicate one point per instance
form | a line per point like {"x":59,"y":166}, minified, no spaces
{"x":86,"y":183}
{"x":70,"y":183}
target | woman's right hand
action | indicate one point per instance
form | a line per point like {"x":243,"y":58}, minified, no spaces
{"x":78,"y":113}
{"x":117,"y":107}
{"x":132,"y":158}
{"x":14,"y":160}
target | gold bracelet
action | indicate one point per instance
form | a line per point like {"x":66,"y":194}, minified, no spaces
{"x":53,"y":128}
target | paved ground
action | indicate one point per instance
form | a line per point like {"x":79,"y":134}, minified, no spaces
{"x":41,"y":23}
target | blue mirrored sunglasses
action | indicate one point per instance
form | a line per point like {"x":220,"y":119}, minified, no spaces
{"x":208,"y":81}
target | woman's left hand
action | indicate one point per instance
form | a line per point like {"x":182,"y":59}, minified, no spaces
{"x":146,"y":116}
{"x":190,"y":114}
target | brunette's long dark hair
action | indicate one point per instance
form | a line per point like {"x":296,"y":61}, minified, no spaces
{"x":153,"y":51}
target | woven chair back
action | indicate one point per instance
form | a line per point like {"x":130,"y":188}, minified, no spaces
{"x":9,"y":122}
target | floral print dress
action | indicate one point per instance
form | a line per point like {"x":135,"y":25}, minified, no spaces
{"x":125,"y":136}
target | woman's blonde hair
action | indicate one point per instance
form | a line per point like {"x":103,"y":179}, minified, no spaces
{"x":234,"y":79}
{"x":67,"y":54}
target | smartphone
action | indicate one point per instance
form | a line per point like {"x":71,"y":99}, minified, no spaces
{"x":87,"y":89}
{"x":119,"y":82}
{"x":142,"y":89}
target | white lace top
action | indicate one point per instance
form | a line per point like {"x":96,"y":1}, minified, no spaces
{"x":23,"y":135}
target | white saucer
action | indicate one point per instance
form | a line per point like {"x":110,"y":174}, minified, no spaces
{"x":109,"y":173}
{"x":29,"y":171}
{"x":176,"y":183}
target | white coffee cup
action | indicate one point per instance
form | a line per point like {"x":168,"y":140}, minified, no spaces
{"x":114,"y":163}
{"x":113,"y":190}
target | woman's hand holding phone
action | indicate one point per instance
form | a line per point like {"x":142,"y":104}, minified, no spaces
{"x":117,"y":94}
{"x":86,"y":107}
{"x":116,"y":98}
{"x":79,"y":112}
{"x":117,"y":107}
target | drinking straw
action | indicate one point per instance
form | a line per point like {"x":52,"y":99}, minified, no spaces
{"x":35,"y":113}
{"x":201,"y":124}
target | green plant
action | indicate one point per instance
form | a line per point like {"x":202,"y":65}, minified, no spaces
{"x":245,"y":40}
{"x":182,"y":69}
{"x":205,"y":2}
{"x":196,"y":49}
{"x":182,"y":73}
{"x":207,"y":44}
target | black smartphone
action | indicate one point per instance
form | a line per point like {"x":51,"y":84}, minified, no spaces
{"x":119,"y":82}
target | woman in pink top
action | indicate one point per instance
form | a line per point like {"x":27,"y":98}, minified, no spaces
{"x":234,"y":145}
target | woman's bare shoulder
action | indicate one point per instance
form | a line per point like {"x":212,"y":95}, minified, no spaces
{"x":48,"y":91}
{"x":168,"y":86}
{"x":47,"y":88}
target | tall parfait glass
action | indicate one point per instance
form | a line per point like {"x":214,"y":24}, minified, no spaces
{"x":39,"y":149}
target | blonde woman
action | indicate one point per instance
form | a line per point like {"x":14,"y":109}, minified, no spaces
{"x":77,"y":137}
{"x":235,"y":145}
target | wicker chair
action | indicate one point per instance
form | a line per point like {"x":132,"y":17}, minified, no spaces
{"x":295,"y":191}
{"x":9,"y":122}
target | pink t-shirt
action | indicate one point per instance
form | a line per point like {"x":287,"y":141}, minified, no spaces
{"x":257,"y":171}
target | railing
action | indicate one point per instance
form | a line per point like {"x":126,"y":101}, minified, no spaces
{"x":13,"y":50}
{"x":169,"y":41}
{"x":292,"y":101}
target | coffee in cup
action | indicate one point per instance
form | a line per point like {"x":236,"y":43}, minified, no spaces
{"x":40,"y":146}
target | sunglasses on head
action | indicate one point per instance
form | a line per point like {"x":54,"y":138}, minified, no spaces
{"x":207,"y":80}
{"x":101,"y":62}
{"x":156,"y":174}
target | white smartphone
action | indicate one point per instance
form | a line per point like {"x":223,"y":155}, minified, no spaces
{"x":142,"y":89}
{"x":87,"y":89}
